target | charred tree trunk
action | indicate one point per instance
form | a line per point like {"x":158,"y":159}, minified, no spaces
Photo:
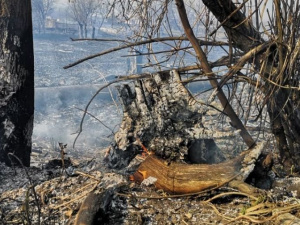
{"x":161,"y":114}
{"x":283,"y":103}
{"x":284,"y":113}
{"x":17,"y":80}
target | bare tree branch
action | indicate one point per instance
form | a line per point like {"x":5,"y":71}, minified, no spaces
{"x":134,"y":77}
{"x":207,"y":69}
{"x":141,"y":43}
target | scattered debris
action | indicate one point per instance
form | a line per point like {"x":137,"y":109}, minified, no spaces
{"x":149,"y":181}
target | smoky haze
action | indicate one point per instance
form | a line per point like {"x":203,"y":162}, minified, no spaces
{"x":61,"y":95}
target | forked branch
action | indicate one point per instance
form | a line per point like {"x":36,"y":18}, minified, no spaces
{"x":237,"y":123}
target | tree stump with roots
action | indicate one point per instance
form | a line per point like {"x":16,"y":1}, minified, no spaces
{"x":162,"y":115}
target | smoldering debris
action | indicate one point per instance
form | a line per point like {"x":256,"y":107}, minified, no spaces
{"x":60,"y":196}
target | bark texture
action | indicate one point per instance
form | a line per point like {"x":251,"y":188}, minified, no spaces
{"x":16,"y":80}
{"x":178,"y":178}
{"x":240,"y":29}
{"x":162,"y":115}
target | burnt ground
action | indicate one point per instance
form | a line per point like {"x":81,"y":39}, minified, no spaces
{"x":57,"y":197}
{"x":45,"y":194}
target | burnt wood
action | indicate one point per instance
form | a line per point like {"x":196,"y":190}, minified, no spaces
{"x":16,"y":81}
{"x":179,"y":178}
{"x":162,"y":115}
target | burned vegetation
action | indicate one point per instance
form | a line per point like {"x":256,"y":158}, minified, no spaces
{"x":225,"y":153}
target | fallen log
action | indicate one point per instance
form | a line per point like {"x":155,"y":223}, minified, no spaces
{"x":94,"y":207}
{"x":179,"y":178}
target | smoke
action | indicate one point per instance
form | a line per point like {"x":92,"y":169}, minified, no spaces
{"x":59,"y":112}
{"x":61,"y":95}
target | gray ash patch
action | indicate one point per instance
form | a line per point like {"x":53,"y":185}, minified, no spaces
{"x":16,"y":177}
{"x":162,"y":210}
{"x":117,"y":211}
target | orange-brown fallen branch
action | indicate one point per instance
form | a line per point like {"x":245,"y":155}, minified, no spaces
{"x":179,"y":178}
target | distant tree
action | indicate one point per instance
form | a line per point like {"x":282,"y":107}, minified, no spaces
{"x":84,"y":12}
{"x":40,"y":10}
{"x":97,"y":19}
{"x":16,"y":80}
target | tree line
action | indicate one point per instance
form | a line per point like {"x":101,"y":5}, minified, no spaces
{"x":87,"y":14}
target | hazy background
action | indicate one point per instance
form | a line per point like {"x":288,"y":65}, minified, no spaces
{"x":61,"y":95}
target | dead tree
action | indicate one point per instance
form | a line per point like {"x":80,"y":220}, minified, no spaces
{"x":40,"y":10}
{"x":182,"y":178}
{"x":276,"y":62}
{"x":17,"y":80}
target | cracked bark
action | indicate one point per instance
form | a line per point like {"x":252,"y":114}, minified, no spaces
{"x":162,"y":113}
{"x":16,"y":80}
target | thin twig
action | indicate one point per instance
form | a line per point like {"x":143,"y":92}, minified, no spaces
{"x":87,"y":106}
{"x":245,"y":58}
{"x":159,"y":52}
{"x":95,"y":119}
{"x":31,"y":184}
{"x":87,"y":175}
{"x":231,"y":193}
{"x":216,"y":210}
{"x":75,"y":199}
{"x":201,"y":42}
{"x":99,"y":39}
{"x":133,"y":77}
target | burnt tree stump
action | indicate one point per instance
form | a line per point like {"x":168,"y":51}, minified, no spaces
{"x":164,"y":116}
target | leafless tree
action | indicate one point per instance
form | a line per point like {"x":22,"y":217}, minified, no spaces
{"x":40,"y":10}
{"x":84,"y":12}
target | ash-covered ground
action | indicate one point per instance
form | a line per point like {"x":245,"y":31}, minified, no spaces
{"x":60,"y":97}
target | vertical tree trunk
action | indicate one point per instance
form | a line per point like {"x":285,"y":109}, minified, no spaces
{"x":85,"y":31}
{"x":80,"y":30}
{"x":93,"y":32}
{"x":44,"y":24}
{"x":16,"y":80}
{"x":284,"y":112}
